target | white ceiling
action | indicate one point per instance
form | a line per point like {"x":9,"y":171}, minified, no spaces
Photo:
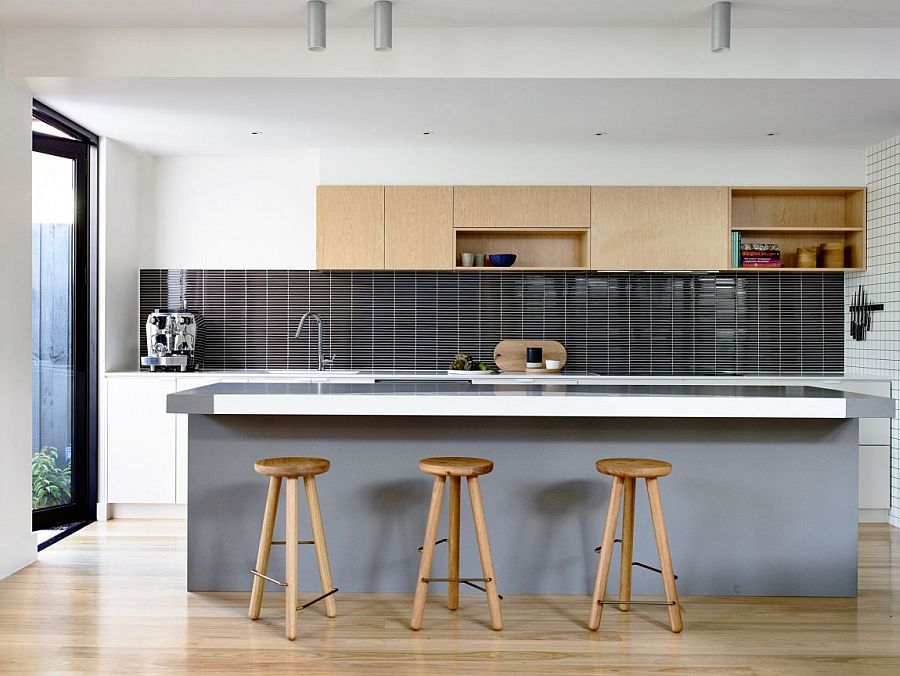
{"x":540,"y":13}
{"x":216,"y":116}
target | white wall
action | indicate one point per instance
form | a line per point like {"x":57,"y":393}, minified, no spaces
{"x":612,"y":165}
{"x":124,"y":175}
{"x":454,"y":52}
{"x":218,"y":212}
{"x":17,"y":544}
{"x":879,"y":353}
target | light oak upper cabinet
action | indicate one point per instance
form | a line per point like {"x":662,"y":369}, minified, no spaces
{"x":418,"y":227}
{"x":521,"y":206}
{"x":350,"y":227}
{"x":659,"y":228}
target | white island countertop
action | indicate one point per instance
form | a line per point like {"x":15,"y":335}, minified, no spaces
{"x":461,"y":398}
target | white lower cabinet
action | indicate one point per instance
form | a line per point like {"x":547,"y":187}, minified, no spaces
{"x":875,"y":477}
{"x":146,"y":448}
{"x":140,"y":440}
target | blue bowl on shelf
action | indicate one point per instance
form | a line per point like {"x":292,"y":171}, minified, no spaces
{"x":502,"y":260}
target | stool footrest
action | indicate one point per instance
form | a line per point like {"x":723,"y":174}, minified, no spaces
{"x":635,"y":603}
{"x":299,"y":542}
{"x":317,"y":599}
{"x":470,"y":581}
{"x":437,"y":542}
{"x":266,"y":577}
{"x":636,"y":563}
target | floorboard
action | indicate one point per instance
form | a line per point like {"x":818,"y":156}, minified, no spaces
{"x":111,"y":599}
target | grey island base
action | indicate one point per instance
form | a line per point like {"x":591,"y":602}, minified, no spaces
{"x":754,"y":505}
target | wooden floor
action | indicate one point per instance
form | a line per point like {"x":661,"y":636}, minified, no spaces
{"x":111,"y":599}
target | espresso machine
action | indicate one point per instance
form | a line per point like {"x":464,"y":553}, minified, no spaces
{"x":171,"y":340}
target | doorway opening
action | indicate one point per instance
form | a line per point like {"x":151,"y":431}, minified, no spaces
{"x":63,"y":324}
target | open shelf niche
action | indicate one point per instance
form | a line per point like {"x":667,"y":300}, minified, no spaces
{"x":556,"y":249}
{"x":802,"y":217}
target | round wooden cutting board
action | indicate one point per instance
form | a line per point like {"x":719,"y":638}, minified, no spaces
{"x":509,"y":355}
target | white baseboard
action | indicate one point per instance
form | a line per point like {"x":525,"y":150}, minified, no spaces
{"x":17,"y":554}
{"x":122,"y":510}
{"x":102,"y":511}
{"x":873,"y":516}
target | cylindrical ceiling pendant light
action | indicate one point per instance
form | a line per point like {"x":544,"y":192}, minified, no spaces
{"x":315,"y":25}
{"x":383,"y":27}
{"x":721,"y":27}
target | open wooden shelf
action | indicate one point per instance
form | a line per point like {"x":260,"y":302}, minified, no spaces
{"x":795,"y":218}
{"x":556,"y":249}
{"x":771,"y":229}
{"x":517,"y":268}
{"x":793,"y":269}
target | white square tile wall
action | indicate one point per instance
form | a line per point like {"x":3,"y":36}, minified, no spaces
{"x":879,"y":354}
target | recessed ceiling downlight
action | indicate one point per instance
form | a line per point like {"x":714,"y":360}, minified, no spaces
{"x":599,"y":133}
{"x":255,"y":133}
{"x":427,"y":133}
{"x":773,"y":133}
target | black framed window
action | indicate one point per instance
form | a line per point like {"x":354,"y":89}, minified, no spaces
{"x":64,"y":312}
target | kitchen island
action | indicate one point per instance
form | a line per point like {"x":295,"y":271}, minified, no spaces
{"x":761,"y":500}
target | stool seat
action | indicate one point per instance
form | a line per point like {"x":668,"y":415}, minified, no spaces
{"x":456,"y":466}
{"x":288,"y":468}
{"x":633,"y":468}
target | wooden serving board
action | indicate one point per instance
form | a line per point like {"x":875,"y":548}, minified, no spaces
{"x":509,"y":355}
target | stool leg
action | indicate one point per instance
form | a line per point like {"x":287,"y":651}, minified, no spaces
{"x":484,"y":551}
{"x":665,"y":558}
{"x":606,"y":547}
{"x":434,"y":516}
{"x":290,"y":560}
{"x":318,"y":533}
{"x":627,"y":544}
{"x":453,"y":544}
{"x":265,"y":546}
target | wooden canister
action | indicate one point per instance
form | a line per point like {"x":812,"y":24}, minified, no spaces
{"x":806,"y":257}
{"x":833,"y":255}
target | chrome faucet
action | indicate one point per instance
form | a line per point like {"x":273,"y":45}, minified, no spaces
{"x":323,"y":362}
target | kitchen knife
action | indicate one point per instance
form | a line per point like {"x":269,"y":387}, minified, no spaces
{"x":865,"y":313}
{"x":859,"y":313}
{"x":862,"y":315}
{"x":853,"y":305}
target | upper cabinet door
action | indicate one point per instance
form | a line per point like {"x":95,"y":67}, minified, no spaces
{"x":350,"y":227}
{"x":418,"y":227}
{"x":521,"y":206}
{"x":669,"y":228}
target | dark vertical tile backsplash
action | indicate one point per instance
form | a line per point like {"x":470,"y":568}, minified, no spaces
{"x":610,"y":323}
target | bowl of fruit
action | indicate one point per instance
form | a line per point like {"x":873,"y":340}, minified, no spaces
{"x":464,"y":364}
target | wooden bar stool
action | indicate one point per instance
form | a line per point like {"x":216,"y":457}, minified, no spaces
{"x":291,"y":469}
{"x":455,"y":469}
{"x":624,"y":472}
